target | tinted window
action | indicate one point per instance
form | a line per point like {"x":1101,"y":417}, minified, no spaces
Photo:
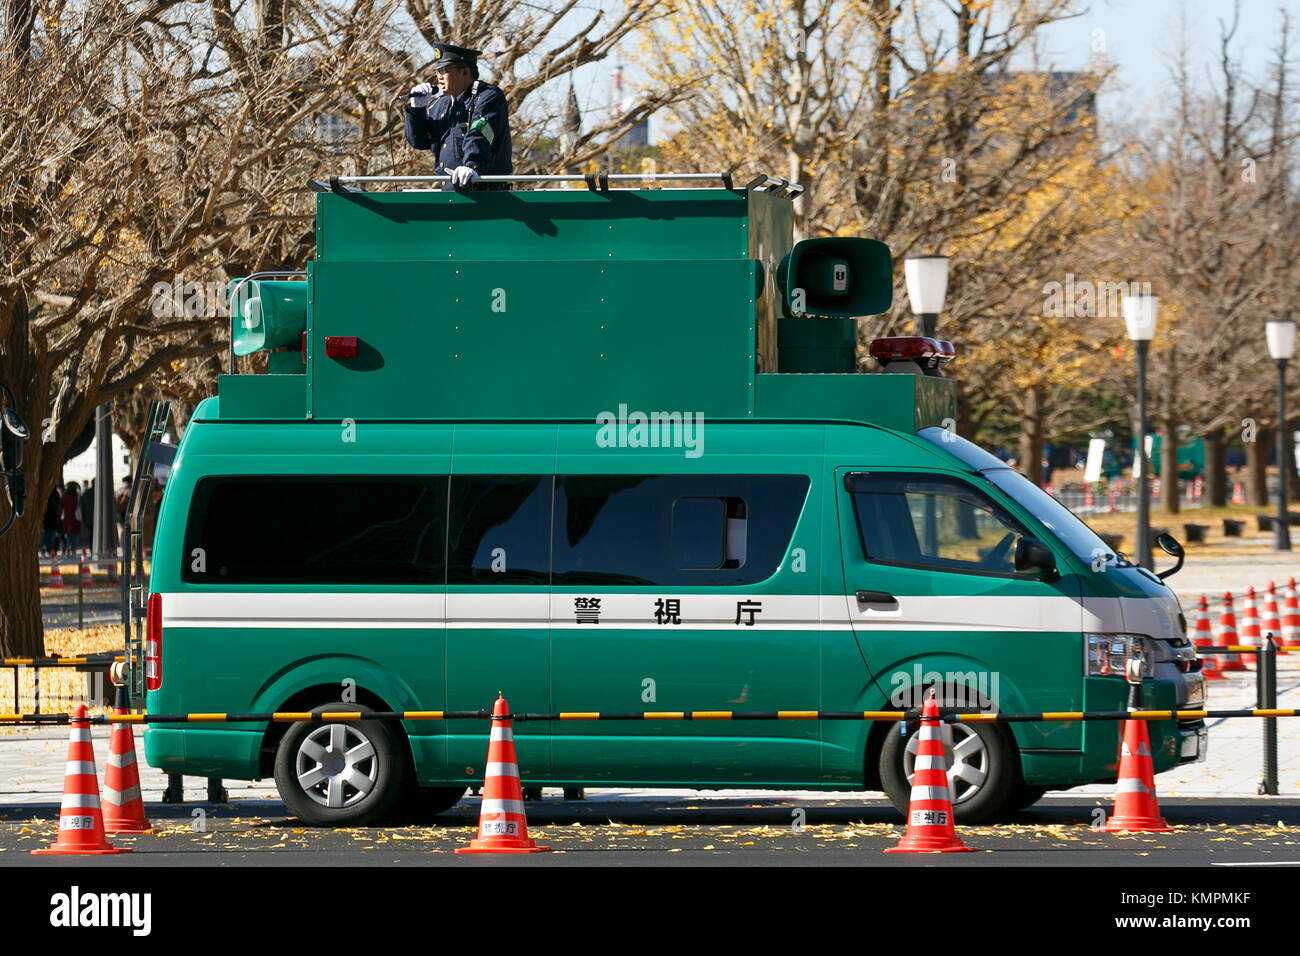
{"x":500,"y":530}
{"x":673,"y":530}
{"x":934,"y":522}
{"x":317,"y":530}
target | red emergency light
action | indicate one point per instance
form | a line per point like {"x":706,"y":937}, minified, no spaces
{"x":929,"y":355}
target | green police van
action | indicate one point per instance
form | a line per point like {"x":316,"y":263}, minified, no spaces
{"x":606,"y":450}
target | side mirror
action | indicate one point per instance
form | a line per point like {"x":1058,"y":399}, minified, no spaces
{"x":1035,"y":556}
{"x":1169,"y":545}
{"x":13,"y":432}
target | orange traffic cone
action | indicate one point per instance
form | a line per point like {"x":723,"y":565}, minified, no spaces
{"x":1271,"y":623}
{"x":56,"y":576}
{"x":1226,"y":635}
{"x":81,"y":825}
{"x":1113,"y":499}
{"x":1238,"y":493}
{"x":87,"y":579}
{"x":1290,"y":616}
{"x":1249,"y":635}
{"x":502,"y":827}
{"x":125,"y":805}
{"x":1135,"y":792}
{"x":112,"y":576}
{"x":1088,"y":500}
{"x":929,"y":811}
{"x":1205,"y":638}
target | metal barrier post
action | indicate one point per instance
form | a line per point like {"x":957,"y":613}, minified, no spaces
{"x":1267,"y":681}
{"x":216,"y":792}
{"x":18,"y":705}
{"x":175,"y":792}
{"x":36,"y":687}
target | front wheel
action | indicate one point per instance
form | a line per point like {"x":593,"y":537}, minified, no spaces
{"x":343,"y":774}
{"x":980,"y":778}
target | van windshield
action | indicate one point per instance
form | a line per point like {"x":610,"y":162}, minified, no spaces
{"x":1058,"y":519}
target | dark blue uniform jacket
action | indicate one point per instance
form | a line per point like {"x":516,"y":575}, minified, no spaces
{"x":472,"y":130}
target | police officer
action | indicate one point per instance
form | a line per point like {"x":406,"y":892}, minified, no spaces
{"x":467,"y":126}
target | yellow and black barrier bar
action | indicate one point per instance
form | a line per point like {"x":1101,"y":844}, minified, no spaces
{"x":1244,"y":649}
{"x":952,"y":717}
{"x":81,"y":661}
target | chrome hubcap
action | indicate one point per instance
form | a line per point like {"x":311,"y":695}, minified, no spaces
{"x":336,"y":765}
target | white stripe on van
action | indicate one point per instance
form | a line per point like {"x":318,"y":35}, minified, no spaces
{"x":625,"y":611}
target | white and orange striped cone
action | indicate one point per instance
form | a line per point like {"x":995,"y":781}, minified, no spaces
{"x":87,"y":579}
{"x":1290,"y":616}
{"x":56,"y":576}
{"x":1249,"y":635}
{"x":1135,"y":791}
{"x":1088,"y":500}
{"x":123,"y":803}
{"x":1238,"y":493}
{"x":1226,"y":635}
{"x":112,"y":577}
{"x":1271,"y":622}
{"x":1114,"y":498}
{"x":929,"y":810}
{"x":1204,"y":637}
{"x":502,"y":827}
{"x":81,"y":825}
{"x":1199,"y":489}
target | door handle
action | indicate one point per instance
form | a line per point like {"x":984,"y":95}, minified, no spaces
{"x":876,"y":597}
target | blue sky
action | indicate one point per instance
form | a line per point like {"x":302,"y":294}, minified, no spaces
{"x":1141,"y":37}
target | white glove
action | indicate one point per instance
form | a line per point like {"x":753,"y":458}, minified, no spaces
{"x":421,"y":93}
{"x":461,"y":175}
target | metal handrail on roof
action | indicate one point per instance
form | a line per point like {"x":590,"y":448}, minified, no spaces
{"x":596,"y":182}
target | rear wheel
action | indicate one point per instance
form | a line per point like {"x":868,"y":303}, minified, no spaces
{"x":980,"y":779}
{"x":341,"y":774}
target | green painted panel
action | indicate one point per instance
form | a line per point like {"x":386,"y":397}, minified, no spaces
{"x":541,"y":224}
{"x":472,"y":340}
{"x":891,"y":401}
{"x":262,"y":396}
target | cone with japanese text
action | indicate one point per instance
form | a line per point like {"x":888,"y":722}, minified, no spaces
{"x":1249,"y":635}
{"x":1204,"y":637}
{"x":929,"y":811}
{"x":1227,"y":635}
{"x":123,"y":803}
{"x":56,"y":576}
{"x":502,"y":827}
{"x":81,"y":824}
{"x":1135,"y":791}
{"x":1290,"y":616}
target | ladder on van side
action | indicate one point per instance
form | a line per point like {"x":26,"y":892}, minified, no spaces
{"x":135,"y":585}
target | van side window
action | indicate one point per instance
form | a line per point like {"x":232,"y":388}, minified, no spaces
{"x":500,"y":530}
{"x":310,"y":529}
{"x":673,"y":530}
{"x":933,"y":521}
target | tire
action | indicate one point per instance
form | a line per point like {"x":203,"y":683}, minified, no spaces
{"x":980,"y":782}
{"x":364,"y":783}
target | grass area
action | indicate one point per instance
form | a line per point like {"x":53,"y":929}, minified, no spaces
{"x":61,"y":688}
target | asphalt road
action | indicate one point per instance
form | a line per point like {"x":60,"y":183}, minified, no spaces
{"x":1057,"y":832}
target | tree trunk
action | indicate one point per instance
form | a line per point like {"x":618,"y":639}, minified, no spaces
{"x":1031,"y":436}
{"x":1216,"y":469}
{"x":21,"y":634}
{"x":1257,"y":452}
{"x":1170,"y":500}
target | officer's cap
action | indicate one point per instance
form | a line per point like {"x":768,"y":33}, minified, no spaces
{"x":445,"y":54}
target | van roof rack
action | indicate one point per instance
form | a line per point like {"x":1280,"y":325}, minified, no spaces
{"x":595,"y":182}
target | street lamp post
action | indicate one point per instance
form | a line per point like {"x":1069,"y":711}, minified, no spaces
{"x":1140,"y":313}
{"x":927,"y":285}
{"x":1281,"y":343}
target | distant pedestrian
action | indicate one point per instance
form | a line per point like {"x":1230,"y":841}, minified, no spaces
{"x":50,"y":521}
{"x":70,"y":517}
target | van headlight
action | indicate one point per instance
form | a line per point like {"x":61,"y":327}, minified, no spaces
{"x":1107,"y":653}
